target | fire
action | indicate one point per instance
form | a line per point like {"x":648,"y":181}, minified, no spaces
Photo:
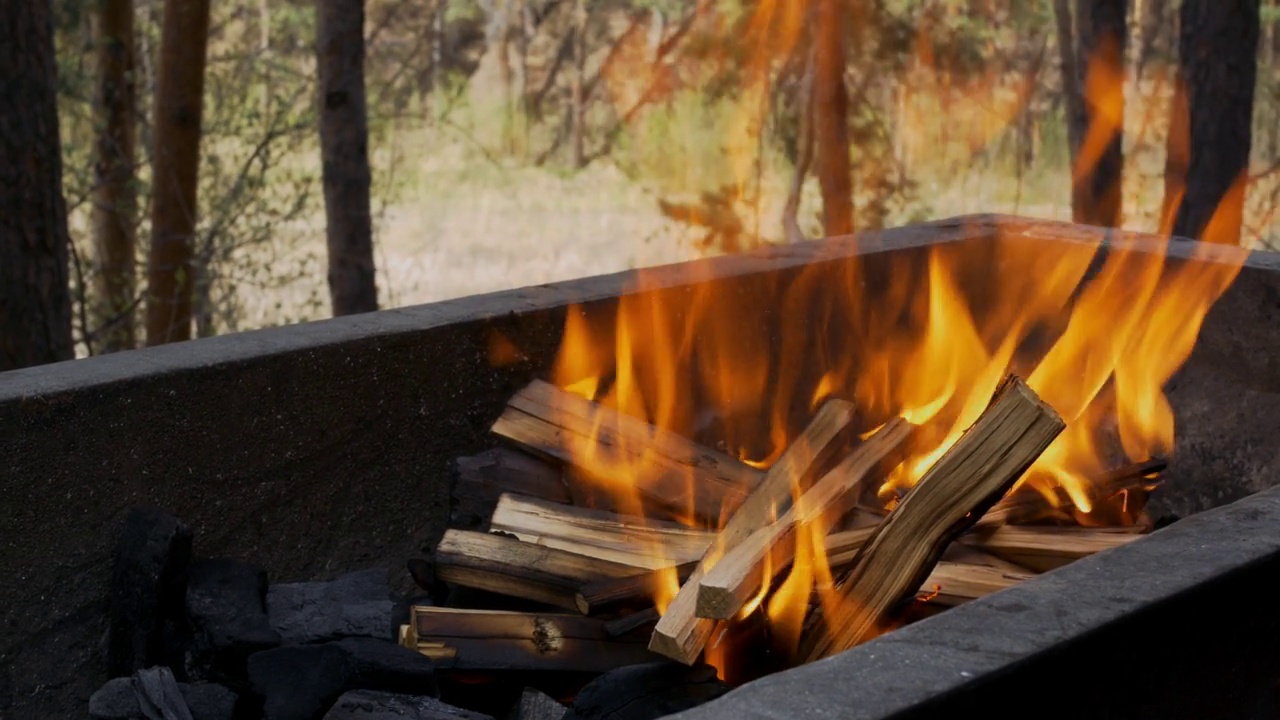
{"x":741,"y":365}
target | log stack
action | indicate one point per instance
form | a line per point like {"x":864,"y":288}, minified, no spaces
{"x":596,"y":579}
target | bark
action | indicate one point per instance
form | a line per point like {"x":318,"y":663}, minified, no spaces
{"x":35,"y":298}
{"x":831,"y":119}
{"x":344,"y":148}
{"x":175,"y":170}
{"x":577,"y":100}
{"x":114,"y":200}
{"x":1072,"y":95}
{"x":1217,"y":68}
{"x":1098,"y":175}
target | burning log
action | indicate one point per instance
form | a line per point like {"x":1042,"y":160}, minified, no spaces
{"x":1045,"y":548}
{"x":649,"y":544}
{"x":499,"y":640}
{"x":964,"y":483}
{"x":680,"y":634}
{"x":518,"y":569}
{"x":1134,"y":480}
{"x":737,"y":576}
{"x":669,"y":470}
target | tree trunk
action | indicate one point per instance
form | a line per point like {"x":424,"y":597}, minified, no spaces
{"x":344,"y":148}
{"x":831,"y":119}
{"x":35,"y":298}
{"x":114,"y":201}
{"x":1217,"y":68}
{"x":175,"y":170}
{"x":578,"y":121}
{"x":1072,"y":95}
{"x":1097,"y":176}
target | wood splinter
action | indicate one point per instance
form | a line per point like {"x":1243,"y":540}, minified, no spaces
{"x":680,"y":634}
{"x":962,"y":485}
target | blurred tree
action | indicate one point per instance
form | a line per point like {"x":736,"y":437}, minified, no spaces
{"x":179,"y":104}
{"x":114,"y":200}
{"x":1210,"y":134}
{"x":1091,"y":48}
{"x":831,"y":118}
{"x":35,"y":297}
{"x":344,"y":150}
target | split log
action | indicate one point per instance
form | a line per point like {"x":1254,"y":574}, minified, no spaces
{"x":952,"y":584}
{"x":964,"y":483}
{"x":668,"y":469}
{"x":738,"y":576}
{"x":1039,"y":547}
{"x":641,"y":587}
{"x":680,"y":634}
{"x":625,"y":539}
{"x":1044,"y":548}
{"x":497,"y":640}
{"x":483,"y":478}
{"x":1027,"y":505}
{"x":634,"y":621}
{"x":841,"y":547}
{"x":507,"y":566}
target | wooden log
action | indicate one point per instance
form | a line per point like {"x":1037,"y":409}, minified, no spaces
{"x":1054,"y":547}
{"x":634,"y":621}
{"x":667,"y":469}
{"x":508,"y":566}
{"x":483,"y":478}
{"x":680,"y":634}
{"x":625,"y":539}
{"x":1044,"y":548}
{"x":738,"y":576}
{"x":641,"y":587}
{"x":965,"y":482}
{"x":951,"y":583}
{"x":498,"y":640}
{"x":1028,"y":505}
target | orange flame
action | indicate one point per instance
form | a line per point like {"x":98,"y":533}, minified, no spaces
{"x":925,"y":335}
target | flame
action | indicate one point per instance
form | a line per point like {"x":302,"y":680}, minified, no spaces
{"x":926,"y":335}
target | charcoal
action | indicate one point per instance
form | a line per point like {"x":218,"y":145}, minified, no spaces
{"x":536,"y":705}
{"x":301,"y":682}
{"x":375,"y":705}
{"x":210,"y":701}
{"x":148,"y":581}
{"x":357,"y":604}
{"x":117,"y":700}
{"x":226,"y":605}
{"x":646,"y":692}
{"x":159,"y":696}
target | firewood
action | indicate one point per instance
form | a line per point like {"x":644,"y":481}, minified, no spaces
{"x":737,"y":576}
{"x":952,"y":583}
{"x":498,"y":640}
{"x":1055,"y":547}
{"x":505,"y":565}
{"x":668,"y":469}
{"x":627,"y":623}
{"x":634,"y":588}
{"x":680,"y":634}
{"x":624,"y":539}
{"x":1045,"y":548}
{"x":840,"y":547}
{"x":1028,"y":505}
{"x":965,"y":482}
